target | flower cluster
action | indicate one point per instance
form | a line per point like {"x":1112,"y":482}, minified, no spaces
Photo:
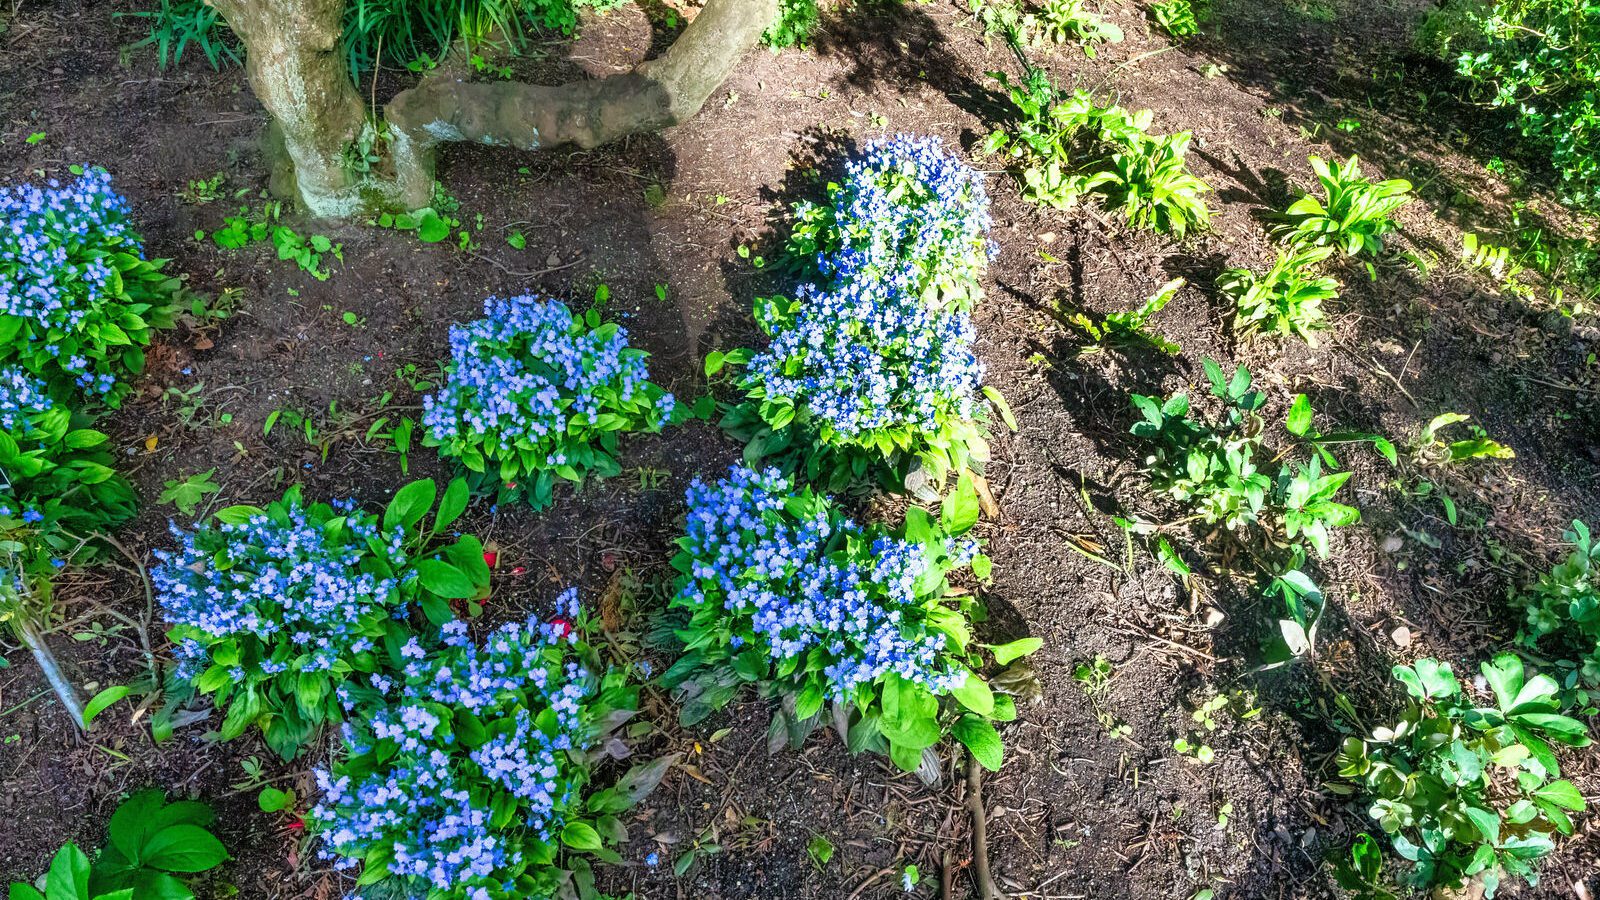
{"x":907,"y":214}
{"x":867,"y":361}
{"x":536,"y":392}
{"x":77,"y":296}
{"x":272,"y":609}
{"x":465,"y":772}
{"x":23,"y":399}
{"x":782,"y":589}
{"x":875,"y":360}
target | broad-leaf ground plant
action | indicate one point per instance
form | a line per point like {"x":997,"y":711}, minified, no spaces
{"x":78,"y":300}
{"x":55,"y":471}
{"x":1178,"y":18}
{"x":1353,"y":214}
{"x":534,"y":394}
{"x":469,"y":773}
{"x":155,"y":849}
{"x":272,"y":609}
{"x":1465,"y":790}
{"x":780,"y":592}
{"x":1563,"y":607}
{"x":1065,"y":147}
{"x":1277,"y":513}
{"x":1287,"y":300}
{"x":1122,"y":329}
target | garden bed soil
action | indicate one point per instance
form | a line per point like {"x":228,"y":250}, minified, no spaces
{"x":1076,"y":812}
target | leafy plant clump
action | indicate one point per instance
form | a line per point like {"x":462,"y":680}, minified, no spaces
{"x":1539,"y":59}
{"x":1061,"y":21}
{"x":273,"y":609}
{"x":906,"y":214}
{"x":534,"y":393}
{"x":470,"y":772}
{"x":783,"y":593}
{"x":797,"y":19}
{"x":78,"y":300}
{"x":1121,"y":329}
{"x":1276,"y":514}
{"x":1353,"y":214}
{"x":55,"y":471}
{"x":1465,"y":790}
{"x":1563,"y":607}
{"x":1287,"y":300}
{"x":1065,"y":147}
{"x":1178,"y":18}
{"x":155,"y":850}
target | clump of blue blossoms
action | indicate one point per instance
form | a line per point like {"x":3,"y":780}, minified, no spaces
{"x":54,"y":469}
{"x":867,"y":368}
{"x":272,"y":609}
{"x":780,"y":589}
{"x":534,"y":393}
{"x":871,"y":370}
{"x":907,"y":214}
{"x":78,"y":300}
{"x":468,"y":772}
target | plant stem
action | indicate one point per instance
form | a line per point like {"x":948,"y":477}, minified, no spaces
{"x":980,"y":830}
{"x":65,"y":692}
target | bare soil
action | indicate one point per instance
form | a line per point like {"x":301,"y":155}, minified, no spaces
{"x":1076,"y":812}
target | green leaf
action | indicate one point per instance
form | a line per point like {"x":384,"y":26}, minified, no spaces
{"x":1562,"y":793}
{"x":975,"y":695}
{"x":273,"y":800}
{"x":431,"y":228}
{"x":410,"y":504}
{"x":1005,"y":653}
{"x":183,"y":848}
{"x":69,"y":875}
{"x":100,"y":701}
{"x":581,"y":836}
{"x":981,"y":740}
{"x":1001,"y":406}
{"x":960,"y":510}
{"x":445,"y":580}
{"x":1299,"y":421}
{"x":20,"y":891}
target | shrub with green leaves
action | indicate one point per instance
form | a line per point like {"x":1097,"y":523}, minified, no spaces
{"x":1277,"y":513}
{"x":155,"y":849}
{"x":781,"y":593}
{"x":470,"y":771}
{"x":797,"y":19}
{"x":534,"y":394}
{"x":1287,"y":300}
{"x":1353,"y":214}
{"x":272,"y":609}
{"x":1468,"y":790}
{"x":55,"y":470}
{"x":1540,"y":60}
{"x":1563,"y":607}
{"x":78,"y":300}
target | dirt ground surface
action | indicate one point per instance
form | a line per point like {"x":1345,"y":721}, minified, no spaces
{"x":1082,"y":808}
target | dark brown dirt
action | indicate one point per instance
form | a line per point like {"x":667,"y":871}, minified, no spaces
{"x":1076,"y":812}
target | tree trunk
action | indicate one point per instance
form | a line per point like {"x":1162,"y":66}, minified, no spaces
{"x":298,"y":72}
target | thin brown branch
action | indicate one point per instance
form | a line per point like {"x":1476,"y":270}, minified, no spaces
{"x":980,"y":831}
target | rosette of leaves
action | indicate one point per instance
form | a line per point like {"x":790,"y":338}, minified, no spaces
{"x":1563,"y":607}
{"x":781,"y":595}
{"x":1353,"y":214}
{"x":272,"y":609}
{"x":155,"y":849}
{"x":78,"y":300}
{"x":1467,"y":791}
{"x":1287,"y":300}
{"x":474,"y":771}
{"x":55,"y":470}
{"x":1149,"y":183}
{"x":534,"y":394}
